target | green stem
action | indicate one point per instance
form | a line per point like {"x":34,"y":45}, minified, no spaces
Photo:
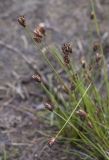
{"x":101,"y":48}
{"x":72,"y":112}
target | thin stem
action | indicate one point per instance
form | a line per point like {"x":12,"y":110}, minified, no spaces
{"x":47,"y":60}
{"x":84,"y":138}
{"x":52,"y":98}
{"x":45,"y":57}
{"x":101,"y":47}
{"x":73,"y":112}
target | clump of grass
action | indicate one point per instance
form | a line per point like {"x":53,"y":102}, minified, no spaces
{"x":79,"y":110}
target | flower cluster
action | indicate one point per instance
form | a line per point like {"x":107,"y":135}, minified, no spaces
{"x":22,"y":21}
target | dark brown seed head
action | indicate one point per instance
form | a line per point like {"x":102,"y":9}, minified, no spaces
{"x":22,"y":21}
{"x":37,"y":78}
{"x":66,"y":59}
{"x":66,"y":48}
{"x":51,"y":142}
{"x":92,"y":15}
{"x":49,"y":106}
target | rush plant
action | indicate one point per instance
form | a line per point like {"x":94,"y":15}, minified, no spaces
{"x":79,"y":109}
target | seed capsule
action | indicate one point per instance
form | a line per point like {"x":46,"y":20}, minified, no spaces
{"x":37,"y":77}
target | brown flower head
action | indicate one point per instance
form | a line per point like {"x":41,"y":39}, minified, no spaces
{"x":66,"y":48}
{"x":22,"y":21}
